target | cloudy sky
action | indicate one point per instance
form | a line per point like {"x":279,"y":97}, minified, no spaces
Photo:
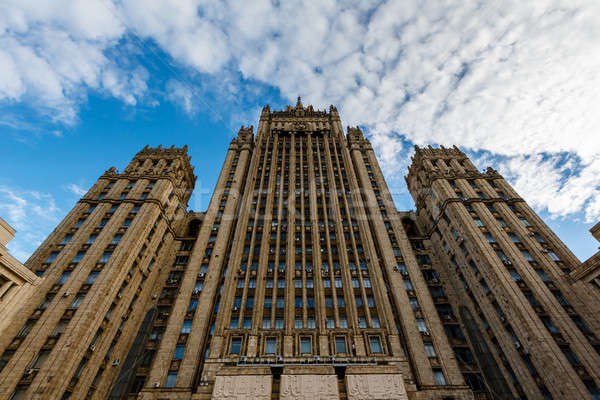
{"x":514,"y":83}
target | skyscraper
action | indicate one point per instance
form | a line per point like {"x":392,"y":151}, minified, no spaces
{"x":302,"y":280}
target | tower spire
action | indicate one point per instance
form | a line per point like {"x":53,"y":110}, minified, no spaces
{"x":299,"y":103}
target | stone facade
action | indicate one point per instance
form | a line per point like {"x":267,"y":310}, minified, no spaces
{"x":302,"y":280}
{"x":17,"y":282}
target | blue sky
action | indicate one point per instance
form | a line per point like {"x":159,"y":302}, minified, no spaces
{"x":519,"y":90}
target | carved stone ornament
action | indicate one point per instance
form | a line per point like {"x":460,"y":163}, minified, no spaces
{"x":242,"y":387}
{"x":376,"y":387}
{"x":300,"y":126}
{"x":309,"y":387}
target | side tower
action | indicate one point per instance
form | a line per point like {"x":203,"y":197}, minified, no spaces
{"x":509,"y":274}
{"x":98,"y":268}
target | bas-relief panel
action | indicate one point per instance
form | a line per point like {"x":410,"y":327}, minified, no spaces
{"x":242,"y":387}
{"x":376,"y":387}
{"x":309,"y":387}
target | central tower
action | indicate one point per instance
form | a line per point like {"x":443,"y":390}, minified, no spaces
{"x":301,"y":276}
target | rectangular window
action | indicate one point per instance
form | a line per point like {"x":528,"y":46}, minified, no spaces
{"x":375,"y":344}
{"x":266,"y":323}
{"x":179,"y":350}
{"x":92,"y":277}
{"x":542,"y":274}
{"x":375,"y":322}
{"x":489,"y":237}
{"x":187,"y":326}
{"x":278,"y":323}
{"x":116,"y":239}
{"x":430,"y":350}
{"x":439,"y":377}
{"x":233,"y":324}
{"x":527,"y":255}
{"x":105,"y":256}
{"x":193,"y":304}
{"x":78,"y":300}
{"x":524,"y":221}
{"x":171,"y":379}
{"x":305,"y":345}
{"x":52,"y":257}
{"x":421,"y":325}
{"x":91,"y":239}
{"x":270,"y":345}
{"x":78,"y":256}
{"x":236,"y":346}
{"x":65,"y":240}
{"x":39,"y":360}
{"x":340,"y":344}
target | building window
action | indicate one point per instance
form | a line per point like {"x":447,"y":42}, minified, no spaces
{"x":39,"y":360}
{"x":375,"y":344}
{"x":236,"y":346}
{"x":340,"y":344}
{"x":430,"y":350}
{"x":105,"y":256}
{"x":266,"y":323}
{"x":375,"y":322}
{"x":305,"y":345}
{"x":489,"y":237}
{"x":187,"y":326}
{"x":233,"y":324}
{"x":553,"y":256}
{"x":542,"y":274}
{"x":52,"y":257}
{"x":78,"y":256}
{"x":65,"y":240}
{"x":116,"y":239}
{"x":421,"y":325}
{"x":278,"y":323}
{"x":179,"y":350}
{"x":439,"y":377}
{"x":270,"y":345}
{"x":527,"y":255}
{"x":78,"y":300}
{"x":171,"y":379}
{"x":92,"y":277}
{"x":524,"y":221}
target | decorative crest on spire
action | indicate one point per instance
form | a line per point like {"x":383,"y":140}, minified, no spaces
{"x":299,"y":103}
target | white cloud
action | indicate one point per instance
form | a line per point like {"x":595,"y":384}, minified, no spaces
{"x":182,"y":95}
{"x":517,"y":80}
{"x":32,"y":214}
{"x":75,"y":189}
